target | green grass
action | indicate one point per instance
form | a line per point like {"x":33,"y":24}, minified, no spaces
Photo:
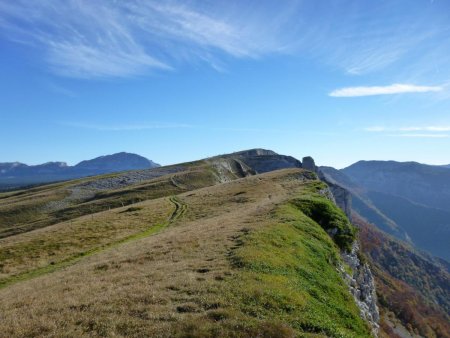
{"x":285,"y":284}
{"x":289,"y":275}
{"x":330,"y":218}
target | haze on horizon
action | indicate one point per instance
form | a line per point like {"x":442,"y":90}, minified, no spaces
{"x":341,"y":81}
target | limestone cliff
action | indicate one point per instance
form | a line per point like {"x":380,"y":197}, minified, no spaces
{"x":362,"y":286}
{"x":360,"y":280}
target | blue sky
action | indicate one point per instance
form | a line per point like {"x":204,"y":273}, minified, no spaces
{"x":181,"y":80}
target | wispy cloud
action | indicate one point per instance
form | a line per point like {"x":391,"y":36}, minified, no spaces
{"x":396,"y":88}
{"x":78,"y":38}
{"x":86,"y":39}
{"x":366,"y":37}
{"x":101,"y":38}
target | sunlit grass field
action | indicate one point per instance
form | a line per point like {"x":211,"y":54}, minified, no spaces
{"x":199,"y":259}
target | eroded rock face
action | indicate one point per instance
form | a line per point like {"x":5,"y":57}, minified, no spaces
{"x":228,"y":169}
{"x":360,"y":280}
{"x":342,"y":197}
{"x":260,"y":160}
{"x":309,"y":164}
{"x":267,"y":163}
{"x":362,"y":286}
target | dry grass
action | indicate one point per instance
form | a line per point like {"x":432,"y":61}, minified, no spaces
{"x":57,"y":243}
{"x":184,"y":280}
{"x":152,"y":272}
{"x":39,"y":207}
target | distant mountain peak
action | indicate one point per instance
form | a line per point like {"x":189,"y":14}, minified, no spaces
{"x":18,"y":174}
{"x":118,"y":161}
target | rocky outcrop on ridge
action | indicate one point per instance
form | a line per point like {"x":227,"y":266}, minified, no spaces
{"x":262,"y":160}
{"x":361,"y":284}
{"x":360,"y":281}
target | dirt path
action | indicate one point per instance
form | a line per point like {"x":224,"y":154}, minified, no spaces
{"x":179,"y":210}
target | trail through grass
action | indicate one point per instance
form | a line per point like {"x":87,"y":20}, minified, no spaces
{"x":179,"y":210}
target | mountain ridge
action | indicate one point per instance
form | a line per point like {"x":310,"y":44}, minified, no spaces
{"x":412,"y":286}
{"x":420,"y":183}
{"x":125,"y":203}
{"x":17,"y":174}
{"x":404,"y":199}
{"x":250,"y":255}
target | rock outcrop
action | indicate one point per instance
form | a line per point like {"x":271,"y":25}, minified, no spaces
{"x":342,"y":197}
{"x":309,"y":164}
{"x":261,"y":160}
{"x":228,"y":169}
{"x":361,"y":284}
{"x":360,"y":280}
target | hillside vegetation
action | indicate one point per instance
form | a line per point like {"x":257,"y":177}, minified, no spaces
{"x":410,"y":288}
{"x":204,"y":249}
{"x":413,"y":287}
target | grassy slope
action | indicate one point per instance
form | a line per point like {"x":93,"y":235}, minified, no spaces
{"x":27,"y":210}
{"x":309,"y":296}
{"x":240,"y":259}
{"x":43,"y":250}
{"x":62,"y":242}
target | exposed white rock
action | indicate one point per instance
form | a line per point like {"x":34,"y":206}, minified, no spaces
{"x":362,"y":286}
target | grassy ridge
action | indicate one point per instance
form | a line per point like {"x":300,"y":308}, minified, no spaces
{"x":289,"y":275}
{"x":242,"y":261}
{"x":285,"y":283}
